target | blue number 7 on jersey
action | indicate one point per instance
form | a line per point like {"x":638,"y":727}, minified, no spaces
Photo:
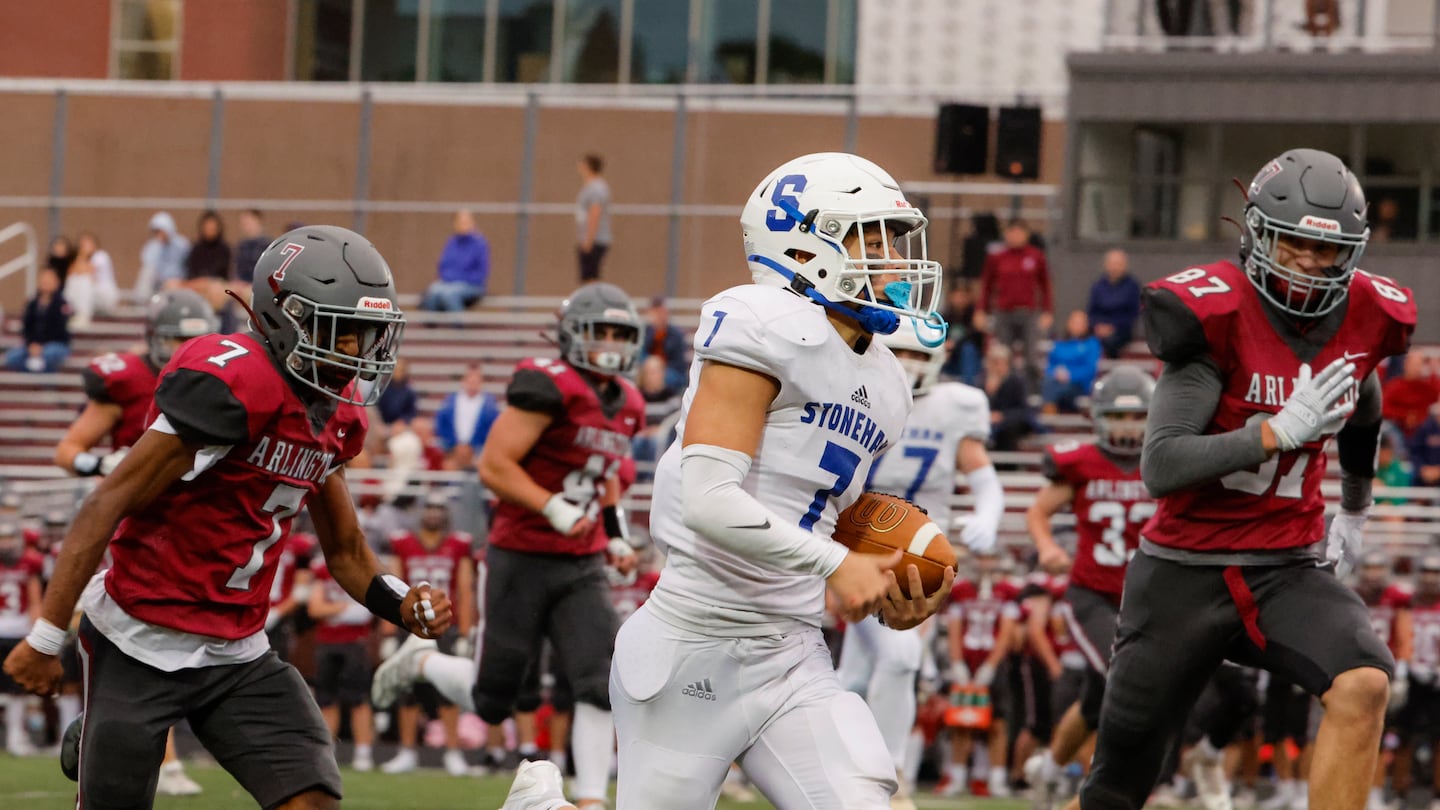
{"x":719,"y":319}
{"x":842,"y":463}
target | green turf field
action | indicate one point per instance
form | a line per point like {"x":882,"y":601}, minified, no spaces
{"x":36,"y":783}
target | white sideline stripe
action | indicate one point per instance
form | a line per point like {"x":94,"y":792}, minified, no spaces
{"x":922,"y":538}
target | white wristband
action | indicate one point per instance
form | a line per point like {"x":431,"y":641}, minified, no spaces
{"x":45,"y":638}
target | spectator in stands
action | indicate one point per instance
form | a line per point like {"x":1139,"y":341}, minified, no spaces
{"x":207,"y":268}
{"x":984,"y":239}
{"x":45,"y":335}
{"x":1391,"y":466}
{"x":1408,"y":398}
{"x":667,"y":341}
{"x":1322,"y":17}
{"x":162,"y":258}
{"x":592,"y":216}
{"x":1015,"y":301}
{"x":966,"y":343}
{"x":1425,"y":450}
{"x":464,"y":419}
{"x":1114,"y":303}
{"x":1011,"y":416}
{"x":662,"y":400}
{"x":61,"y":256}
{"x":90,"y":287}
{"x":463,"y":270}
{"x":399,"y":402}
{"x":1070,"y":371}
{"x":253,"y":242}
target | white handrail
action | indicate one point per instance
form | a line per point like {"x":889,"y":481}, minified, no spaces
{"x":29,"y":258}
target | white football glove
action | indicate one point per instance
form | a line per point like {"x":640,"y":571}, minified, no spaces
{"x":91,"y":464}
{"x":976,"y":538}
{"x":959,"y":673}
{"x":1347,"y":534}
{"x":985,"y":675}
{"x":562,"y":514}
{"x":1314,"y":409}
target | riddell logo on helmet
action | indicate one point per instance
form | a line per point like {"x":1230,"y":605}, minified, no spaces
{"x":1320,"y":224}
{"x":374,"y":303}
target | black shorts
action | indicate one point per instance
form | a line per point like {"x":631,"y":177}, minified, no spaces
{"x":257,"y":719}
{"x":8,"y":686}
{"x":1092,"y":619}
{"x":1065,"y":691}
{"x":342,"y":674}
{"x":1420,"y":718}
{"x":1033,"y":699}
{"x":530,"y":598}
{"x":1286,"y":714}
{"x":1178,"y":622}
{"x":1227,"y":709}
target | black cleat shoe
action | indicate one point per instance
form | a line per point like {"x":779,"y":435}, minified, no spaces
{"x":70,"y":749}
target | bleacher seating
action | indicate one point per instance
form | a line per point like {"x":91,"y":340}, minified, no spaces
{"x":36,"y":409}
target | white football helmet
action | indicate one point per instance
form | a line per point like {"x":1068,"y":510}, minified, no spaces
{"x":923,"y":373}
{"x":809,"y":206}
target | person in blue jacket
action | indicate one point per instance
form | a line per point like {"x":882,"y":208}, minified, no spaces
{"x":1073,"y":363}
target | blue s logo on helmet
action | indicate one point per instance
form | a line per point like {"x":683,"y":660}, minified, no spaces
{"x":782,"y":217}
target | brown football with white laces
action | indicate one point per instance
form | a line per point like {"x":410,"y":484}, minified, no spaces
{"x":878,"y":523}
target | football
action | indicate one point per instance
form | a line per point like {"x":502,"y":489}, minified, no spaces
{"x":878,"y":523}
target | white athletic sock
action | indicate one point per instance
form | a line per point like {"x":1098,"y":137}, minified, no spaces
{"x":559,"y":758}
{"x":998,"y":776}
{"x":959,"y":774}
{"x":1377,"y":796}
{"x":527,"y":750}
{"x":15,"y":720}
{"x":496,"y":754}
{"x":915,"y":747}
{"x":362,"y":751}
{"x":592,"y":738}
{"x":452,"y":677}
{"x":1208,"y":749}
{"x":68,"y":707}
{"x":891,"y":697}
{"x":1049,"y":771}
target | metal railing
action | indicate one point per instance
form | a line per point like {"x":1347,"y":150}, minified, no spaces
{"x":1374,"y":26}
{"x":28,"y":261}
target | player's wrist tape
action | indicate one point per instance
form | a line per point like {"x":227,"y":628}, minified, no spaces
{"x":45,"y":638}
{"x":86,"y":464}
{"x":384,"y":596}
{"x":616,"y":527}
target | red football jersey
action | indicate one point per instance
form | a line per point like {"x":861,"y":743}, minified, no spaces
{"x":1056,"y":631}
{"x":440,"y":566}
{"x":296,"y":553}
{"x":1427,"y":636}
{"x":15,"y":593}
{"x":201,"y":557}
{"x":1385,"y":609}
{"x":351,"y":625}
{"x":1276,"y":505}
{"x":576,"y":454}
{"x":980,"y":606}
{"x":1110,"y":505}
{"x":628,"y":598}
{"x":126,"y":380}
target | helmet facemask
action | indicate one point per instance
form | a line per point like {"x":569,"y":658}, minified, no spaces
{"x":1121,"y":428}
{"x":1294,"y":291}
{"x":326,"y":335}
{"x":591,"y":346}
{"x":164,"y":339}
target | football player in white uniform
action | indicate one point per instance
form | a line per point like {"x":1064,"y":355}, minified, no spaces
{"x":948,"y":428}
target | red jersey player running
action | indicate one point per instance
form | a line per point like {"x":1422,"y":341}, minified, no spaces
{"x":246,"y":429}
{"x":1101,"y":485}
{"x":19,"y":605}
{"x":1264,"y":363}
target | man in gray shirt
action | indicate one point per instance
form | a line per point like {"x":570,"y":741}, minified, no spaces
{"x":592,"y":216}
{"x":1265,"y":363}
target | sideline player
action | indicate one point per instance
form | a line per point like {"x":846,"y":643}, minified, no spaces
{"x":1265,"y":362}
{"x":245,"y":430}
{"x":1391,"y":607}
{"x":947,"y":429}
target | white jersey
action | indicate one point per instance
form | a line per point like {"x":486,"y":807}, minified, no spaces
{"x":835,"y":413}
{"x":921,"y":465}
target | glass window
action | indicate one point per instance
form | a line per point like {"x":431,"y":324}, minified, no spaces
{"x":661,"y":38}
{"x":797,"y":41}
{"x":523,"y":40}
{"x":322,"y":40}
{"x":392,"y":33}
{"x":457,"y":41}
{"x":1248,"y":147}
{"x":146,"y":34}
{"x":844,"y":54}
{"x":728,"y":31}
{"x":591,"y":41}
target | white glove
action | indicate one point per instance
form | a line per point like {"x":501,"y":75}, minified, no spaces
{"x":985,"y":675}
{"x":388,"y":646}
{"x":562,"y":514}
{"x":976,"y":538}
{"x":91,"y":464}
{"x":112,"y":460}
{"x":1342,"y":544}
{"x":1313,"y":410}
{"x":1399,"y":687}
{"x":959,"y":673}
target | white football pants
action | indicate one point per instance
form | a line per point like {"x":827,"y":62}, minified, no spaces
{"x":880,"y":664}
{"x":687,"y":705}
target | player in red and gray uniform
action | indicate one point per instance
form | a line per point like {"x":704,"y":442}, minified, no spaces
{"x":245,"y":430}
{"x":1264,"y":364}
{"x":19,"y":605}
{"x":1391,"y":614}
{"x":290,"y":590}
{"x":342,"y":662}
{"x":1421,"y":718}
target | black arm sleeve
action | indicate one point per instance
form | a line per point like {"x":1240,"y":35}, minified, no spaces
{"x":533,"y":390}
{"x":1049,"y":469}
{"x":1178,"y":453}
{"x":202,"y":408}
{"x":1172,"y":329}
{"x":95,"y":389}
{"x":1357,"y":443}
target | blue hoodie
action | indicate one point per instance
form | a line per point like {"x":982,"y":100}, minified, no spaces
{"x":466,"y":258}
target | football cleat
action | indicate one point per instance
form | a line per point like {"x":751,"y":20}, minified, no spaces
{"x":537,"y":784}
{"x":174,"y":782}
{"x":398,"y":673}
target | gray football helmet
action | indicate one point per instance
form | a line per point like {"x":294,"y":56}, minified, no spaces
{"x":1123,"y":390}
{"x":325,"y":303}
{"x":172,"y":318}
{"x":1310,"y":194}
{"x":594,"y":305}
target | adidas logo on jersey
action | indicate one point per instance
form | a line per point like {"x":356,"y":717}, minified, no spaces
{"x":699,"y":689}
{"x":860,"y":397}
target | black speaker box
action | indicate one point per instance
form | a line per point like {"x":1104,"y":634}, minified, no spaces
{"x":962,"y":139}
